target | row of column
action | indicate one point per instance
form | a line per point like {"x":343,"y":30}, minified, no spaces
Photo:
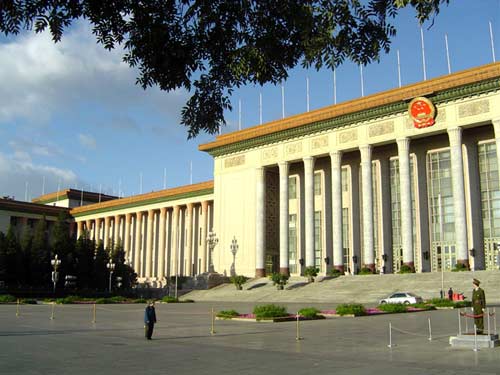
{"x":139,"y":243}
{"x":403,"y":144}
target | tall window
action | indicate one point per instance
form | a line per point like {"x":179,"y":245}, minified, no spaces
{"x":317,"y":239}
{"x":490,"y":201}
{"x":292,"y":187}
{"x":317,"y":183}
{"x":441,"y":213}
{"x":292,"y":243}
{"x":345,"y":239}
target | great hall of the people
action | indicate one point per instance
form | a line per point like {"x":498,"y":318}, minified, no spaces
{"x":403,"y":177}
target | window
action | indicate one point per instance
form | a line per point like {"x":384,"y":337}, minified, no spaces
{"x":292,"y":243}
{"x":292,"y":187}
{"x":317,"y":239}
{"x":317,"y":183}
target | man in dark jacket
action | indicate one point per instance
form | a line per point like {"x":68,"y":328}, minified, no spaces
{"x":478,"y":305}
{"x":149,"y":319}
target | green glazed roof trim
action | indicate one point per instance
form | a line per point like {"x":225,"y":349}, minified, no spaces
{"x":145,"y":202}
{"x":390,"y":109}
{"x":60,"y":198}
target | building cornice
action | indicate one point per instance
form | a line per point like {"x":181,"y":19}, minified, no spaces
{"x":183,"y":192}
{"x":32,"y":208}
{"x":442,"y":89}
{"x":72,"y":194}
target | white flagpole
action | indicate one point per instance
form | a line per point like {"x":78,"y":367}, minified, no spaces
{"x":239,"y":114}
{"x":307,"y":93}
{"x":58,"y":188}
{"x":26,"y":191}
{"x":361,"y":77}
{"x":334,"y":86}
{"x":81,"y":197}
{"x":447,"y":53}
{"x":260,"y":108}
{"x":399,"y":69}
{"x":191,"y":172}
{"x":43,"y":185}
{"x":119,"y":188}
{"x":140,"y":183}
{"x":423,"y":51}
{"x":492,"y":43}
{"x":282,"y":100}
{"x":100,"y":190}
{"x":164,"y":178}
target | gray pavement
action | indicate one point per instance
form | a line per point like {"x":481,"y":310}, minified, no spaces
{"x":182,"y":344}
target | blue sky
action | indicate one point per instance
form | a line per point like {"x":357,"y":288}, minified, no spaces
{"x":72,"y":116}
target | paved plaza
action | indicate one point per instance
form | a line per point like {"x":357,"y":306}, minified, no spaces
{"x":182,"y":343}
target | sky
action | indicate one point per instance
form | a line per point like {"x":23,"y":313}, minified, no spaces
{"x":71,"y":115}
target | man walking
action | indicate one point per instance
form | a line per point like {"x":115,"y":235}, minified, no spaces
{"x":149,"y":319}
{"x":478,"y":306}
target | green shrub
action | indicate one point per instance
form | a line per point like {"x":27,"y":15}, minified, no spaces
{"x":279,"y":279}
{"x":269,"y":311}
{"x":392,"y":307}
{"x":355,"y":309}
{"x":29,"y":301}
{"x":68,"y":300}
{"x":460,"y":304}
{"x":406,"y":269}
{"x":334,"y":273}
{"x":140,"y":300}
{"x":238,"y":281}
{"x":7,"y":298}
{"x":118,"y":299}
{"x":311,"y":271}
{"x":169,"y":299}
{"x":423,"y":305}
{"x":227,"y":314}
{"x":310,"y":312}
{"x":438,"y":302}
{"x":459,"y":267}
{"x":103,"y":301}
{"x":366,"y":271}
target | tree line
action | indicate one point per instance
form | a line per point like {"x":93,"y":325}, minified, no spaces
{"x":25,"y":260}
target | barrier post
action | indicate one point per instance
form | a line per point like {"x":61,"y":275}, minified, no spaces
{"x":466,"y":324}
{"x":390,"y":336}
{"x":475,"y":339}
{"x":495,"y":319}
{"x":459,"y":322}
{"x":212,"y":330}
{"x":53,"y":308}
{"x":93,"y":314}
{"x":488,"y":314}
{"x":297,"y":337}
{"x":430,"y":330}
{"x":17,"y":308}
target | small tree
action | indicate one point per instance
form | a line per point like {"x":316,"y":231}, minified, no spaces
{"x":311,"y":272}
{"x":279,"y":279}
{"x":40,"y":255}
{"x":99,"y":274}
{"x":238,"y":281}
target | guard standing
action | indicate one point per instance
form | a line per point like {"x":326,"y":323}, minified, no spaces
{"x":478,"y":306}
{"x":149,"y":319}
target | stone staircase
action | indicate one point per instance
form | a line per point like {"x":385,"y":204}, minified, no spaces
{"x":363,"y":289}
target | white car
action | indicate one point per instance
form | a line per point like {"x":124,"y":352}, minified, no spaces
{"x":402,"y":297}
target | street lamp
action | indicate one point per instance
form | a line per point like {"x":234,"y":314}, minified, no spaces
{"x":55,"y":275}
{"x":111,"y":268}
{"x":234,"y":249}
{"x":212,"y":241}
{"x":119,"y":282}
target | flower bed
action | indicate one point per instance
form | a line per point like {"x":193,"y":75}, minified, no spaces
{"x":370,"y":311}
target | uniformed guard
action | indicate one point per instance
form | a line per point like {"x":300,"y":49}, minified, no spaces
{"x":149,"y":319}
{"x":478,"y":305}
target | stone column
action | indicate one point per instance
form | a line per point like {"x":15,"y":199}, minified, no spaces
{"x":117,"y":231}
{"x":161,"y":243}
{"x":149,"y":243}
{"x":367,"y":193}
{"x":175,"y":241}
{"x":97,"y":230}
{"x":457,"y":177}
{"x":406,"y":209}
{"x":337,"y":261}
{"x":79,"y":228}
{"x":189,"y":240}
{"x":88,"y":228}
{"x":204,"y":226}
{"x":260,"y":222}
{"x":107,"y":221}
{"x":138,"y":243}
{"x":126,"y":242}
{"x":309,"y":209}
{"x":284,"y":261}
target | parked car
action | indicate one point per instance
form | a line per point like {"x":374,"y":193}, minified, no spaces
{"x":402,"y":297}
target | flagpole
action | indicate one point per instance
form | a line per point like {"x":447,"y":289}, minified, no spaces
{"x":447,"y":53}
{"x":282,"y":100}
{"x":334,"y":86}
{"x":260,"y":108}
{"x":423,"y":52}
{"x":26,"y":191}
{"x":100,"y":192}
{"x":43,"y":185}
{"x":399,"y":69}
{"x":492,"y":43}
{"x":140,"y":183}
{"x":81,"y":197}
{"x":361,"y":77}
{"x":307,"y":93}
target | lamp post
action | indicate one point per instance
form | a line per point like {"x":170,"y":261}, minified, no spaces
{"x":234,"y":249}
{"x":111,"y":268}
{"x":55,"y":275}
{"x":212,"y":241}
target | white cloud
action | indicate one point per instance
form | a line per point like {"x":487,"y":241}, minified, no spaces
{"x":15,"y":173}
{"x":87,"y":141}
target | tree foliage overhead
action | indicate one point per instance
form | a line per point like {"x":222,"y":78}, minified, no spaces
{"x":209,"y":47}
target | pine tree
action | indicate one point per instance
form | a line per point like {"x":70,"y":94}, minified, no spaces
{"x":63,"y":246}
{"x":99,"y":279}
{"x":12,"y":251}
{"x":123,"y":270}
{"x":40,"y":256}
{"x":26,"y":245}
{"x":3,"y":258}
